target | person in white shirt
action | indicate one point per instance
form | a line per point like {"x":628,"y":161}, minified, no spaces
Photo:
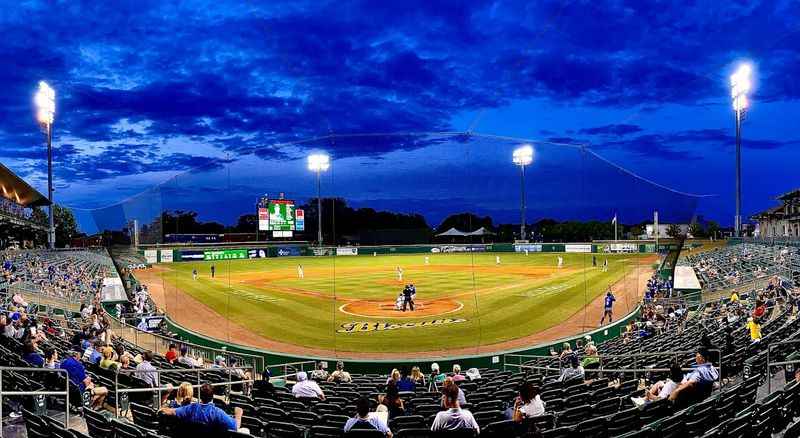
{"x":560,"y":261}
{"x":427,"y":260}
{"x":306,"y":388}
{"x":300,"y":273}
{"x":663,"y":388}
{"x":528,"y":404}
{"x":454,"y":417}
{"x":399,"y":274}
{"x":496,"y":260}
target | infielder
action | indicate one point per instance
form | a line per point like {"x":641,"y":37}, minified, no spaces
{"x":560,"y":261}
{"x":399,"y":274}
{"x":496,"y":260}
{"x":427,"y":260}
{"x":194,"y":274}
{"x":300,"y":273}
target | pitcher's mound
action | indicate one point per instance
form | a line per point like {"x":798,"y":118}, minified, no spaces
{"x":386,"y":309}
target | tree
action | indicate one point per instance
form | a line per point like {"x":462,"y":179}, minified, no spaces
{"x":696,"y":230}
{"x":38,"y":216}
{"x":674,"y":231}
{"x":66,"y":227}
{"x":712,"y":229}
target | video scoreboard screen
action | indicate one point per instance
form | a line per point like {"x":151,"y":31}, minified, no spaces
{"x":281,"y":215}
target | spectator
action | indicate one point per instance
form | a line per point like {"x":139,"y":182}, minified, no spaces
{"x":574,"y":371}
{"x":454,"y":418}
{"x":566,"y":354}
{"x":146,"y":371}
{"x":394,"y":376}
{"x":107,"y":362}
{"x":219,"y":362}
{"x":77,"y":375}
{"x":207,"y":415}
{"x":699,"y":383}
{"x":93,"y":352}
{"x":50,"y":358}
{"x":528,"y":404}
{"x":319,"y":374}
{"x":340,"y":375}
{"x":591,"y":360}
{"x":755,"y":330}
{"x":172,"y":354}
{"x":305,"y":388}
{"x":663,"y":388}
{"x":406,"y":383}
{"x":449,"y":381}
{"x":185,"y":359}
{"x":363,"y":420}
{"x":184,"y":396}
{"x":32,"y":356}
{"x":457,"y":376}
{"x":417,"y":376}
{"x":436,"y":375}
{"x":391,"y":402}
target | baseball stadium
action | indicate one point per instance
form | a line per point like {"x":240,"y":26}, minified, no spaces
{"x":262,"y":223}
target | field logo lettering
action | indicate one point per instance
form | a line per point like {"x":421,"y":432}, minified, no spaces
{"x":363,"y":326}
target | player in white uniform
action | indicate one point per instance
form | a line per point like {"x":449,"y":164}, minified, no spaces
{"x":427,"y":260}
{"x":560,"y":261}
{"x":496,"y":260}
{"x":300,"y":273}
{"x":399,"y":274}
{"x":605,"y":265}
{"x":526,"y":252}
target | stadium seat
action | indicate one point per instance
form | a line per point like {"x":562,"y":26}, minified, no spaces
{"x":655,"y":410}
{"x":606,"y":407}
{"x":623,"y":422}
{"x":325,"y":432}
{"x":573,"y":416}
{"x":559,"y":432}
{"x":486,"y":417}
{"x":422,"y":432}
{"x":364,"y":433}
{"x":499,"y":429}
{"x":279,"y":429}
{"x":97,"y":424}
{"x":144,"y":416}
{"x":407,"y":422}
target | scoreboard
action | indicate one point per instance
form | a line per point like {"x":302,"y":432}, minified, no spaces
{"x":280,"y":216}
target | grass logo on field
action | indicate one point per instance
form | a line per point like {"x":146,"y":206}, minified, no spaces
{"x":364,"y":326}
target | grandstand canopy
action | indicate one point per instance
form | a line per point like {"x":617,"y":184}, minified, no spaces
{"x":482,"y":231}
{"x":686,"y":279}
{"x":16,"y":189}
{"x":453,"y":232}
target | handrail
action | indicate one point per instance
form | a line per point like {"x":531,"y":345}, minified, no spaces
{"x":770,"y":364}
{"x":288,"y":364}
{"x":22,"y":393}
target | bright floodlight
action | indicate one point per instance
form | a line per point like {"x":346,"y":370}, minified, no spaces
{"x":523,"y":155}
{"x":45,"y":104}
{"x":319,"y":162}
{"x":741,"y":84}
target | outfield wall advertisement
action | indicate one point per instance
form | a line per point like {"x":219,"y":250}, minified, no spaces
{"x":346,"y":251}
{"x":225,"y":254}
{"x":572,"y":247}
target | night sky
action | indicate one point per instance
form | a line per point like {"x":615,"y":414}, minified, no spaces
{"x":148,"y":90}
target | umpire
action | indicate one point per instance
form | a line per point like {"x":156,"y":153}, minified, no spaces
{"x":407,"y":300}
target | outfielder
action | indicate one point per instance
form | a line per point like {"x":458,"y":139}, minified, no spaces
{"x":560,"y":261}
{"x":496,"y":260}
{"x":399,"y":274}
{"x":300,"y":273}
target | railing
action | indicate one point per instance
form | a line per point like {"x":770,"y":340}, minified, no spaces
{"x":64,"y":393}
{"x":771,"y":364}
{"x":285,"y":367}
{"x":161,"y":388}
{"x":160,"y":343}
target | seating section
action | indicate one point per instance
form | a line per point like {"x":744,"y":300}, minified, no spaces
{"x":735,"y":265}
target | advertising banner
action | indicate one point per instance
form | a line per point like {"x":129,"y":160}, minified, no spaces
{"x":263,"y":219}
{"x":191,"y":255}
{"x":461,"y":248}
{"x":286,"y":251}
{"x":151,"y":255}
{"x":321,"y":251}
{"x":620,"y":247}
{"x":259,"y":253}
{"x":225,"y":254}
{"x":346,"y":251}
{"x":530,"y":247}
{"x":299,"y":220}
{"x":571,"y":247}
{"x":166,"y":256}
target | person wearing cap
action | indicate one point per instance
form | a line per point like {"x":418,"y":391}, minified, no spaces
{"x":77,"y":375}
{"x":457,"y":376}
{"x":340,"y":375}
{"x":305,"y":388}
{"x":436,"y":375}
{"x":219,"y":362}
{"x":700,"y":381}
{"x":146,"y":371}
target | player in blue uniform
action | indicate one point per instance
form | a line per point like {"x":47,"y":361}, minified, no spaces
{"x":608,"y":304}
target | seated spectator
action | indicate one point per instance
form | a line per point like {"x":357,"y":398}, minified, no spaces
{"x":32,"y":356}
{"x":454,"y":417}
{"x":107,"y":362}
{"x":406,"y":383}
{"x":591,"y":360}
{"x":363,"y":420}
{"x":566,"y":354}
{"x":77,"y":375}
{"x":93,"y":353}
{"x":305,"y":388}
{"x":185,"y":359}
{"x":50,"y":358}
{"x":698,"y":384}
{"x":146,"y":371}
{"x":394,"y":376}
{"x":528,"y":404}
{"x":340,"y":375}
{"x":417,"y":376}
{"x":449,"y":381}
{"x":663,"y":388}
{"x":172,"y":354}
{"x":184,"y":396}
{"x":436,"y":375}
{"x":574,"y":371}
{"x":391,"y":402}
{"x":219,"y":362}
{"x":457,"y":376}
{"x":207,"y":415}
{"x":319,"y":374}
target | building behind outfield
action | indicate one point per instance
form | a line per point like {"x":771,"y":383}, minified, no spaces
{"x":782,"y":220}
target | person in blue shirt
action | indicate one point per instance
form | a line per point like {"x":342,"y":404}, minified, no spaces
{"x":608,"y":304}
{"x":77,"y":375}
{"x":206,"y":414}
{"x":31,"y":356}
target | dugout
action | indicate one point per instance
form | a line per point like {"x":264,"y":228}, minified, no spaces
{"x":687,"y":284}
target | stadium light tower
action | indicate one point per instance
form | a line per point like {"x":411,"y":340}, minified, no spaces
{"x":319,"y":163}
{"x":740,"y":86}
{"x":45,"y":101}
{"x":522,"y":157}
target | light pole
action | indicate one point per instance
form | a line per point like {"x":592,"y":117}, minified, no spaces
{"x":522,"y":157}
{"x":319,"y":163}
{"x":740,"y":86}
{"x":45,"y":101}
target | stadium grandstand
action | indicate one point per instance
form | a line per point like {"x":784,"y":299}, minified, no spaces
{"x":19,"y":225}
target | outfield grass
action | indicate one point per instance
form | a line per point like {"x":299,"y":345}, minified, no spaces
{"x":521,"y":296}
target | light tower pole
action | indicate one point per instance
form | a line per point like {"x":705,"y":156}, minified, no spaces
{"x":522,"y":157}
{"x":319,"y":163}
{"x":45,"y":101}
{"x":740,"y":86}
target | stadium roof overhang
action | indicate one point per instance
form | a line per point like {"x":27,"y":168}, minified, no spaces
{"x":17,"y":190}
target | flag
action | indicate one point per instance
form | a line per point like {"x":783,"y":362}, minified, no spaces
{"x":614,"y":220}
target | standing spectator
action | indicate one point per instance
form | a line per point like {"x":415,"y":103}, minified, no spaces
{"x":528,"y":404}
{"x":755,"y":330}
{"x":146,"y":371}
{"x":305,"y":388}
{"x":340,"y":375}
{"x":454,"y":417}
{"x":172,"y":354}
{"x":205,"y":414}
{"x":457,"y":376}
{"x":363,"y":420}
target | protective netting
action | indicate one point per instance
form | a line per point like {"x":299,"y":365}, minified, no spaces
{"x":489,"y":295}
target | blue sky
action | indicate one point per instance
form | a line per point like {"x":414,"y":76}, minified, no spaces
{"x":148,"y":90}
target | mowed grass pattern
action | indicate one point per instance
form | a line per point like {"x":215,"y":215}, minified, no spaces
{"x":521,"y":296}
